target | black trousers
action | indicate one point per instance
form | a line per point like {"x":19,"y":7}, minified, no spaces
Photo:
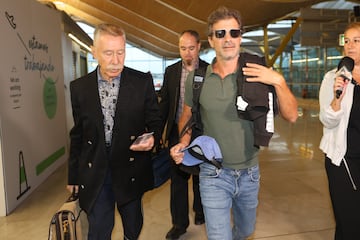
{"x":345,"y":200}
{"x":101,"y":218}
{"x":179,"y":195}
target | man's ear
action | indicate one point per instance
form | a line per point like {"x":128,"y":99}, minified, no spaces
{"x":93,"y":52}
{"x":210,"y":42}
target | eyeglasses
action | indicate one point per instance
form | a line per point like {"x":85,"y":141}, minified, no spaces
{"x":234,"y":33}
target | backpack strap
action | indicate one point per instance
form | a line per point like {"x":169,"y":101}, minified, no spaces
{"x":194,"y":122}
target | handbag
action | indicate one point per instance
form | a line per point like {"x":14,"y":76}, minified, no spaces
{"x":69,"y":222}
{"x":161,"y":164}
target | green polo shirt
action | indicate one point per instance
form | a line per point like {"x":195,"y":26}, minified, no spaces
{"x":219,"y":116}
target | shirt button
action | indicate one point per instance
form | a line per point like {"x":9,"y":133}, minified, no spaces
{"x":90,"y":164}
{"x":131,"y":159}
{"x":82,"y":186}
{"x":89,"y":142}
{"x":133,"y":179}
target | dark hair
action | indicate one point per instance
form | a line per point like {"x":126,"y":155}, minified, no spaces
{"x":222,"y":13}
{"x":193,"y":33}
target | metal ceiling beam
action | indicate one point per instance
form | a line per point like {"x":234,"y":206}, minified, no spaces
{"x":285,"y":41}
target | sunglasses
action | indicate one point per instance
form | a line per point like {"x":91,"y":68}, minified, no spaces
{"x":234,"y":33}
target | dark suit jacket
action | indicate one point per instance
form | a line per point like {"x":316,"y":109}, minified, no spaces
{"x":170,"y":93}
{"x":137,"y":111}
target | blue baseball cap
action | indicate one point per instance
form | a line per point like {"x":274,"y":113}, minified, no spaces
{"x":202,"y":149}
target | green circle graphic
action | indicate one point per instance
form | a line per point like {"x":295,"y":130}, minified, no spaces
{"x":50,"y":98}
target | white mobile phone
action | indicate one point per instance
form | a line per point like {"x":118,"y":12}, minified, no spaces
{"x":142,"y":138}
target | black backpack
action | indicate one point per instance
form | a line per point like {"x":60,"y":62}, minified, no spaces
{"x":195,"y":123}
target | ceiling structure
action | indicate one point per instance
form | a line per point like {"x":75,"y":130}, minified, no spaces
{"x":154,"y":25}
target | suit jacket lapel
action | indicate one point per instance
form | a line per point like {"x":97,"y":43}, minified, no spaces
{"x":122,"y":95}
{"x":92,"y":89}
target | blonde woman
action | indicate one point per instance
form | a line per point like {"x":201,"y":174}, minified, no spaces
{"x":340,"y":116}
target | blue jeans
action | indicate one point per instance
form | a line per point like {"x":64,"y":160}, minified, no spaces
{"x":225,"y":190}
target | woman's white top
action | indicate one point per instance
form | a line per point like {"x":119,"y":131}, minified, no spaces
{"x":334,"y":140}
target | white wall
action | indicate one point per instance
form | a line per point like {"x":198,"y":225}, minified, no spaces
{"x":32,"y":107}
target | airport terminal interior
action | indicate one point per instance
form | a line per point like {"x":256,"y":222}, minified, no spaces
{"x":294,"y":202}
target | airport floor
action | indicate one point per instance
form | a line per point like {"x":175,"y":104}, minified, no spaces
{"x":294,"y":201}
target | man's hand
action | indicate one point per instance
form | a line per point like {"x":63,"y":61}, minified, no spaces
{"x":70,"y":188}
{"x":144,"y":142}
{"x":176,"y":153}
{"x":260,"y":73}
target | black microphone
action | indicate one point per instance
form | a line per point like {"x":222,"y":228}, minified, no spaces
{"x":345,"y":66}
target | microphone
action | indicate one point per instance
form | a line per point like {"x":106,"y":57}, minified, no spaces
{"x":345,"y":66}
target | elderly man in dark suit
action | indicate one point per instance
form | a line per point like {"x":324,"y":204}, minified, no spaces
{"x":171,"y":104}
{"x":111,"y":107}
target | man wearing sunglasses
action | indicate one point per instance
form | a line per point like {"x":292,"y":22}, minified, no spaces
{"x":230,"y":194}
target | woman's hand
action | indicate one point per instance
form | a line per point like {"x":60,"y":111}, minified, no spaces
{"x":340,"y":84}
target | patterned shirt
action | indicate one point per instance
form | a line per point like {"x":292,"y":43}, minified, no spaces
{"x":108,"y":93}
{"x":184,"y":74}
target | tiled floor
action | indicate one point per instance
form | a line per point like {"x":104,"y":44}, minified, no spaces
{"x":294,"y":199}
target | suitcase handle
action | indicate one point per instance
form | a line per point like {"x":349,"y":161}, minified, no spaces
{"x":73,"y":197}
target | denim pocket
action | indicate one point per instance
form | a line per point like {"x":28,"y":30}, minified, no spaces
{"x":208,"y":171}
{"x":254,"y":173}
